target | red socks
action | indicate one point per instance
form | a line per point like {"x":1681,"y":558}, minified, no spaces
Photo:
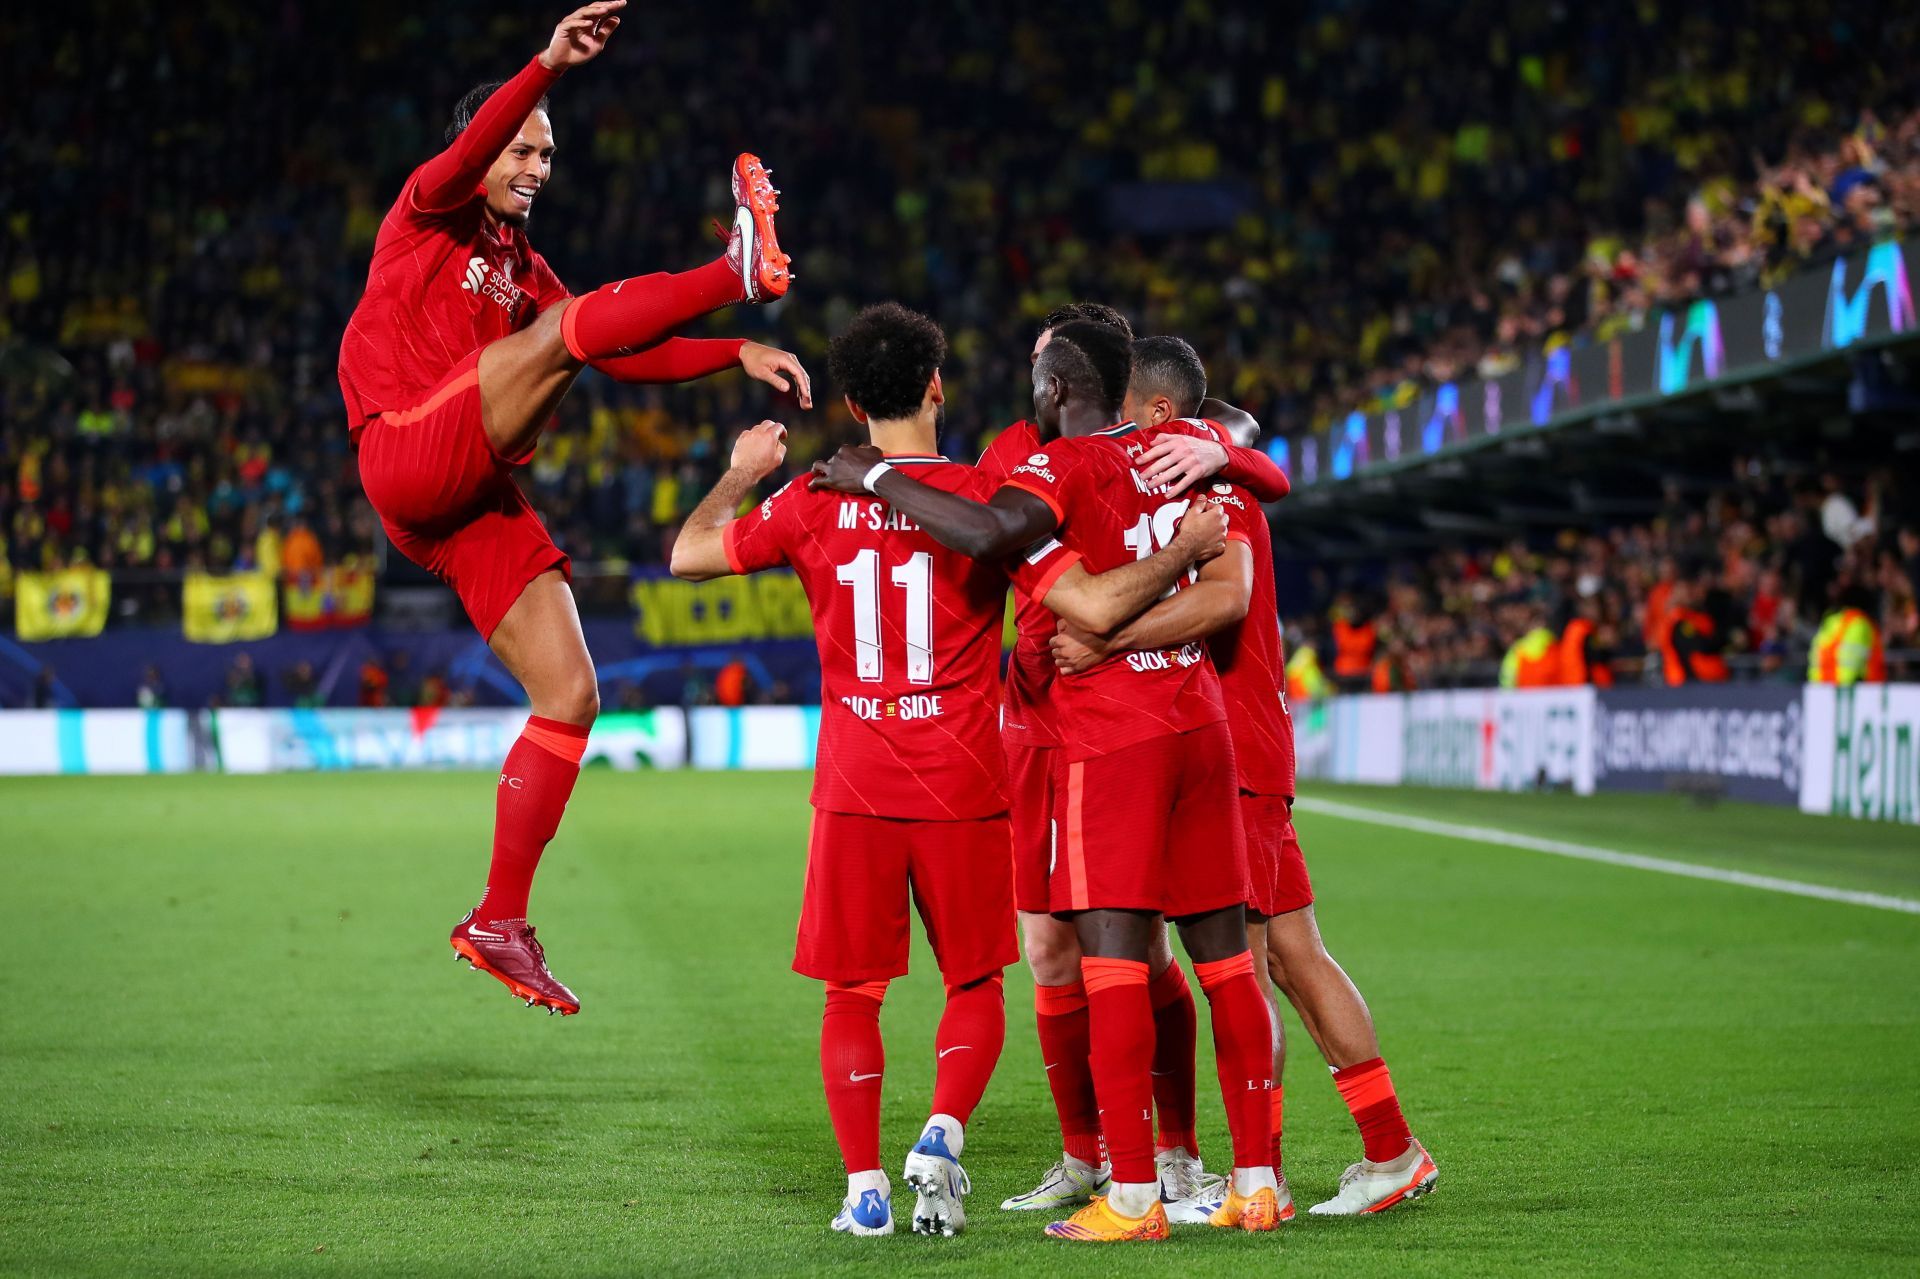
{"x":535,"y":783}
{"x":1120,"y":1023}
{"x":1368,"y":1091}
{"x":1278,"y":1093}
{"x":967,"y":1046}
{"x":629,"y":315}
{"x":1175,"y":1028}
{"x":1061,"y":1012}
{"x":851,"y":1064}
{"x":1243,"y":1053}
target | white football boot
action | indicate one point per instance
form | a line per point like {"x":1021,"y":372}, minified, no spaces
{"x":1370,"y":1187}
{"x":938,"y":1180}
{"x":1191,"y":1193}
{"x":1067,"y":1184}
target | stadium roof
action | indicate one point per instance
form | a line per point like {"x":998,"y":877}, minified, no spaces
{"x":1824,"y":368}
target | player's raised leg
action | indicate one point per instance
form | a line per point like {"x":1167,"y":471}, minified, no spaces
{"x":525,"y":375}
{"x":540,"y":643}
{"x":1394,"y":1167}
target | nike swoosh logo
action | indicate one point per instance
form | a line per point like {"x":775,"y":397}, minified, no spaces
{"x":1157,"y":1073}
{"x":957,"y":1047}
{"x":1051,"y":1065}
{"x":853,"y":1078}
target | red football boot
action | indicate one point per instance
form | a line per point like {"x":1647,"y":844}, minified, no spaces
{"x":753,"y":248}
{"x":507,"y":950}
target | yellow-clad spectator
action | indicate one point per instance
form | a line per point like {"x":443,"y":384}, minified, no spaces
{"x":1846,"y":649}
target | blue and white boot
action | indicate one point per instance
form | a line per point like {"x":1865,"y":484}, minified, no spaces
{"x":868,"y":1208}
{"x":938,"y":1180}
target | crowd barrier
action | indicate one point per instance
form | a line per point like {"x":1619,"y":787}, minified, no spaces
{"x":1846,"y":752}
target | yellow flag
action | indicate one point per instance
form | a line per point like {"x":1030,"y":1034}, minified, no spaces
{"x":221,"y":610}
{"x":64,"y":605}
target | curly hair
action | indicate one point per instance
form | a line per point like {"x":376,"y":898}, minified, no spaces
{"x":1093,"y":359}
{"x":884,"y":359}
{"x":1170,"y":366}
{"x":464,"y":110}
{"x":1093,"y":312}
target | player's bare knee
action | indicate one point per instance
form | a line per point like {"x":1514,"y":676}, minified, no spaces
{"x":1054,"y":956}
{"x":573,"y":698}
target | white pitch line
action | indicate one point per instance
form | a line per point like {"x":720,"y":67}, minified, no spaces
{"x":1608,"y":856}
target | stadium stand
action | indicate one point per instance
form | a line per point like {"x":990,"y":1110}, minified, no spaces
{"x":1331,"y":223}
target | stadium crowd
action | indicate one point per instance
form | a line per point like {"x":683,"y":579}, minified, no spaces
{"x":1736,"y":586}
{"x":1334,"y":220}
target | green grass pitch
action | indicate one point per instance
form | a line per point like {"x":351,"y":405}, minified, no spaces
{"x":234,"y":1043}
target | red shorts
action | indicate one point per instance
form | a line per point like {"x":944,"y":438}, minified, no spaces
{"x":1030,"y":804}
{"x":1152,"y":826}
{"x":448,"y":501}
{"x":853,"y":917}
{"x":1275,"y":863}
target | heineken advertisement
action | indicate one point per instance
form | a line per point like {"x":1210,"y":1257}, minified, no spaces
{"x":1860,"y":757}
{"x":1857,"y":300}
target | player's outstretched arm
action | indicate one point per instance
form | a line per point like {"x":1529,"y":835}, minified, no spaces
{"x":1011,"y":522}
{"x":1220,"y":598}
{"x":447,"y":181}
{"x":1102,"y":602}
{"x":700,"y":552}
{"x":683,"y":359}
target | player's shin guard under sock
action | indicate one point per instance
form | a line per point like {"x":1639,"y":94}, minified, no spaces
{"x":852,"y":1062}
{"x":626,"y":316}
{"x":1243,"y":1053}
{"x":1061,"y":1014}
{"x":535,"y":782}
{"x":1367,"y":1089}
{"x":1175,"y":1030}
{"x":1120,"y":1028}
{"x":967,"y":1045}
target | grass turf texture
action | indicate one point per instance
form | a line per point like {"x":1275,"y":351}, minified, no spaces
{"x":234,"y":1043}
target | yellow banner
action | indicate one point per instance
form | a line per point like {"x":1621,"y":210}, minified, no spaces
{"x":333,"y":597}
{"x":761,"y":606}
{"x":222,"y":610}
{"x":68,"y":604}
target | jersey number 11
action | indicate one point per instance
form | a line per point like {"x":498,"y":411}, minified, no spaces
{"x":915,"y":577}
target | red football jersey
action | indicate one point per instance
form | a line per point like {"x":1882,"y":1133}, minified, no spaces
{"x":1029,"y":717}
{"x":441,"y":285}
{"x":1249,"y":657}
{"x":909,"y":640}
{"x":1028,"y":714}
{"x":1109,"y":516}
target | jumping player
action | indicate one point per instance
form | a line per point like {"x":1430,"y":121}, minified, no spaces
{"x":908,"y":794}
{"x":456,"y":358}
{"x":1185,"y":452}
{"x":1144,"y":789}
{"x":1235,"y":613}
